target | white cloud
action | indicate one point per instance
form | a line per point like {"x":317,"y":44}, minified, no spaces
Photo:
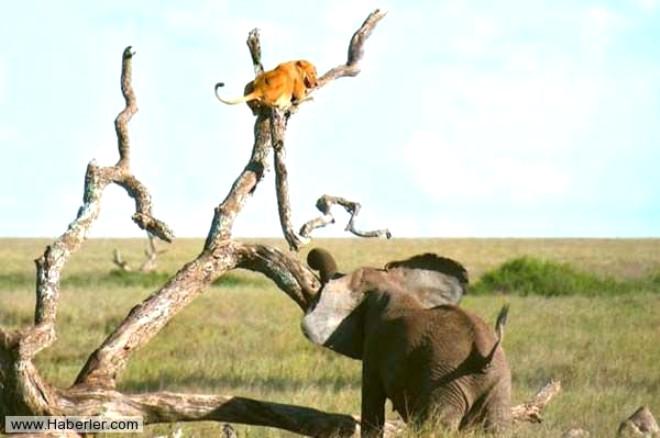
{"x":479,"y":37}
{"x":647,"y":5}
{"x":447,"y":170}
{"x":3,"y":80}
{"x":8,"y":201}
{"x":509,"y":134}
{"x":599,"y":28}
{"x":8,"y":136}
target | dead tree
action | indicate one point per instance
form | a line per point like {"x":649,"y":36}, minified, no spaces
{"x":641,"y":423}
{"x":22,"y":389}
{"x":150,"y":257}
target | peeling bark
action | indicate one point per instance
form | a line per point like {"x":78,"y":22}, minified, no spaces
{"x":244,"y":185}
{"x":531,"y":410}
{"x":121,"y":122}
{"x":324,"y":204}
{"x":282,"y":187}
{"x":355,"y":50}
{"x":168,"y":407}
{"x":278,"y":128}
{"x":641,"y":423}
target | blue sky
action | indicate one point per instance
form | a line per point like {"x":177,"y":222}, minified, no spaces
{"x":511,"y":118}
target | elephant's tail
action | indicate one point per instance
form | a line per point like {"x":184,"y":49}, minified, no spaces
{"x":499,"y":332}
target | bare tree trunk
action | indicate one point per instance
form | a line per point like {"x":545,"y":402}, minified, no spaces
{"x":150,"y":257}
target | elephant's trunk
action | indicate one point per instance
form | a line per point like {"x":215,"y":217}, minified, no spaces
{"x":321,"y":260}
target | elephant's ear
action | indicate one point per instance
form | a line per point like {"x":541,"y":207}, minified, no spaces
{"x":434,"y":280}
{"x":335,"y":320}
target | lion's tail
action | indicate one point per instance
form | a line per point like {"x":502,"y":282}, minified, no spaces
{"x":235,"y":101}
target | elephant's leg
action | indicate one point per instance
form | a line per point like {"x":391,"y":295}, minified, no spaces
{"x":448,"y":408}
{"x":491,"y":411}
{"x":498,"y":408}
{"x":448,"y":417}
{"x":373,"y":403}
{"x":497,"y":420}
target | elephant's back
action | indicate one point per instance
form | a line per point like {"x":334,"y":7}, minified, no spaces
{"x":442,"y":337}
{"x":467,"y":342}
{"x":455,"y":333}
{"x":444,"y":359}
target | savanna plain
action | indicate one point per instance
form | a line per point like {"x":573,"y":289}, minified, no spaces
{"x":583,"y":311}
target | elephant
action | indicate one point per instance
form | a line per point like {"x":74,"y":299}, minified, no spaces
{"x":430,"y":358}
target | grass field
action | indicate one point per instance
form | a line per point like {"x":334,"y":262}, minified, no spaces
{"x":598,"y":332}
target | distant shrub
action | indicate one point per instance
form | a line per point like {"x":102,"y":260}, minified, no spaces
{"x":531,"y":276}
{"x":655,"y":279}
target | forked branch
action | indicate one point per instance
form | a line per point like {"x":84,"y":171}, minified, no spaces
{"x":150,"y":261}
{"x":97,"y":178}
{"x":325,"y":203}
{"x":355,"y":50}
{"x":24,"y":391}
{"x":254,"y":44}
{"x":349,"y":69}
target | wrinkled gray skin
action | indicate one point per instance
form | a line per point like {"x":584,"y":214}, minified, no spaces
{"x":418,"y":349}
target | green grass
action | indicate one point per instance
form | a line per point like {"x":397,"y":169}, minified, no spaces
{"x":122,"y":279}
{"x":533,"y":276}
{"x":242,"y":337}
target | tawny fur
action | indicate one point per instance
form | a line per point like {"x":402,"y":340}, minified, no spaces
{"x":286,"y":84}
